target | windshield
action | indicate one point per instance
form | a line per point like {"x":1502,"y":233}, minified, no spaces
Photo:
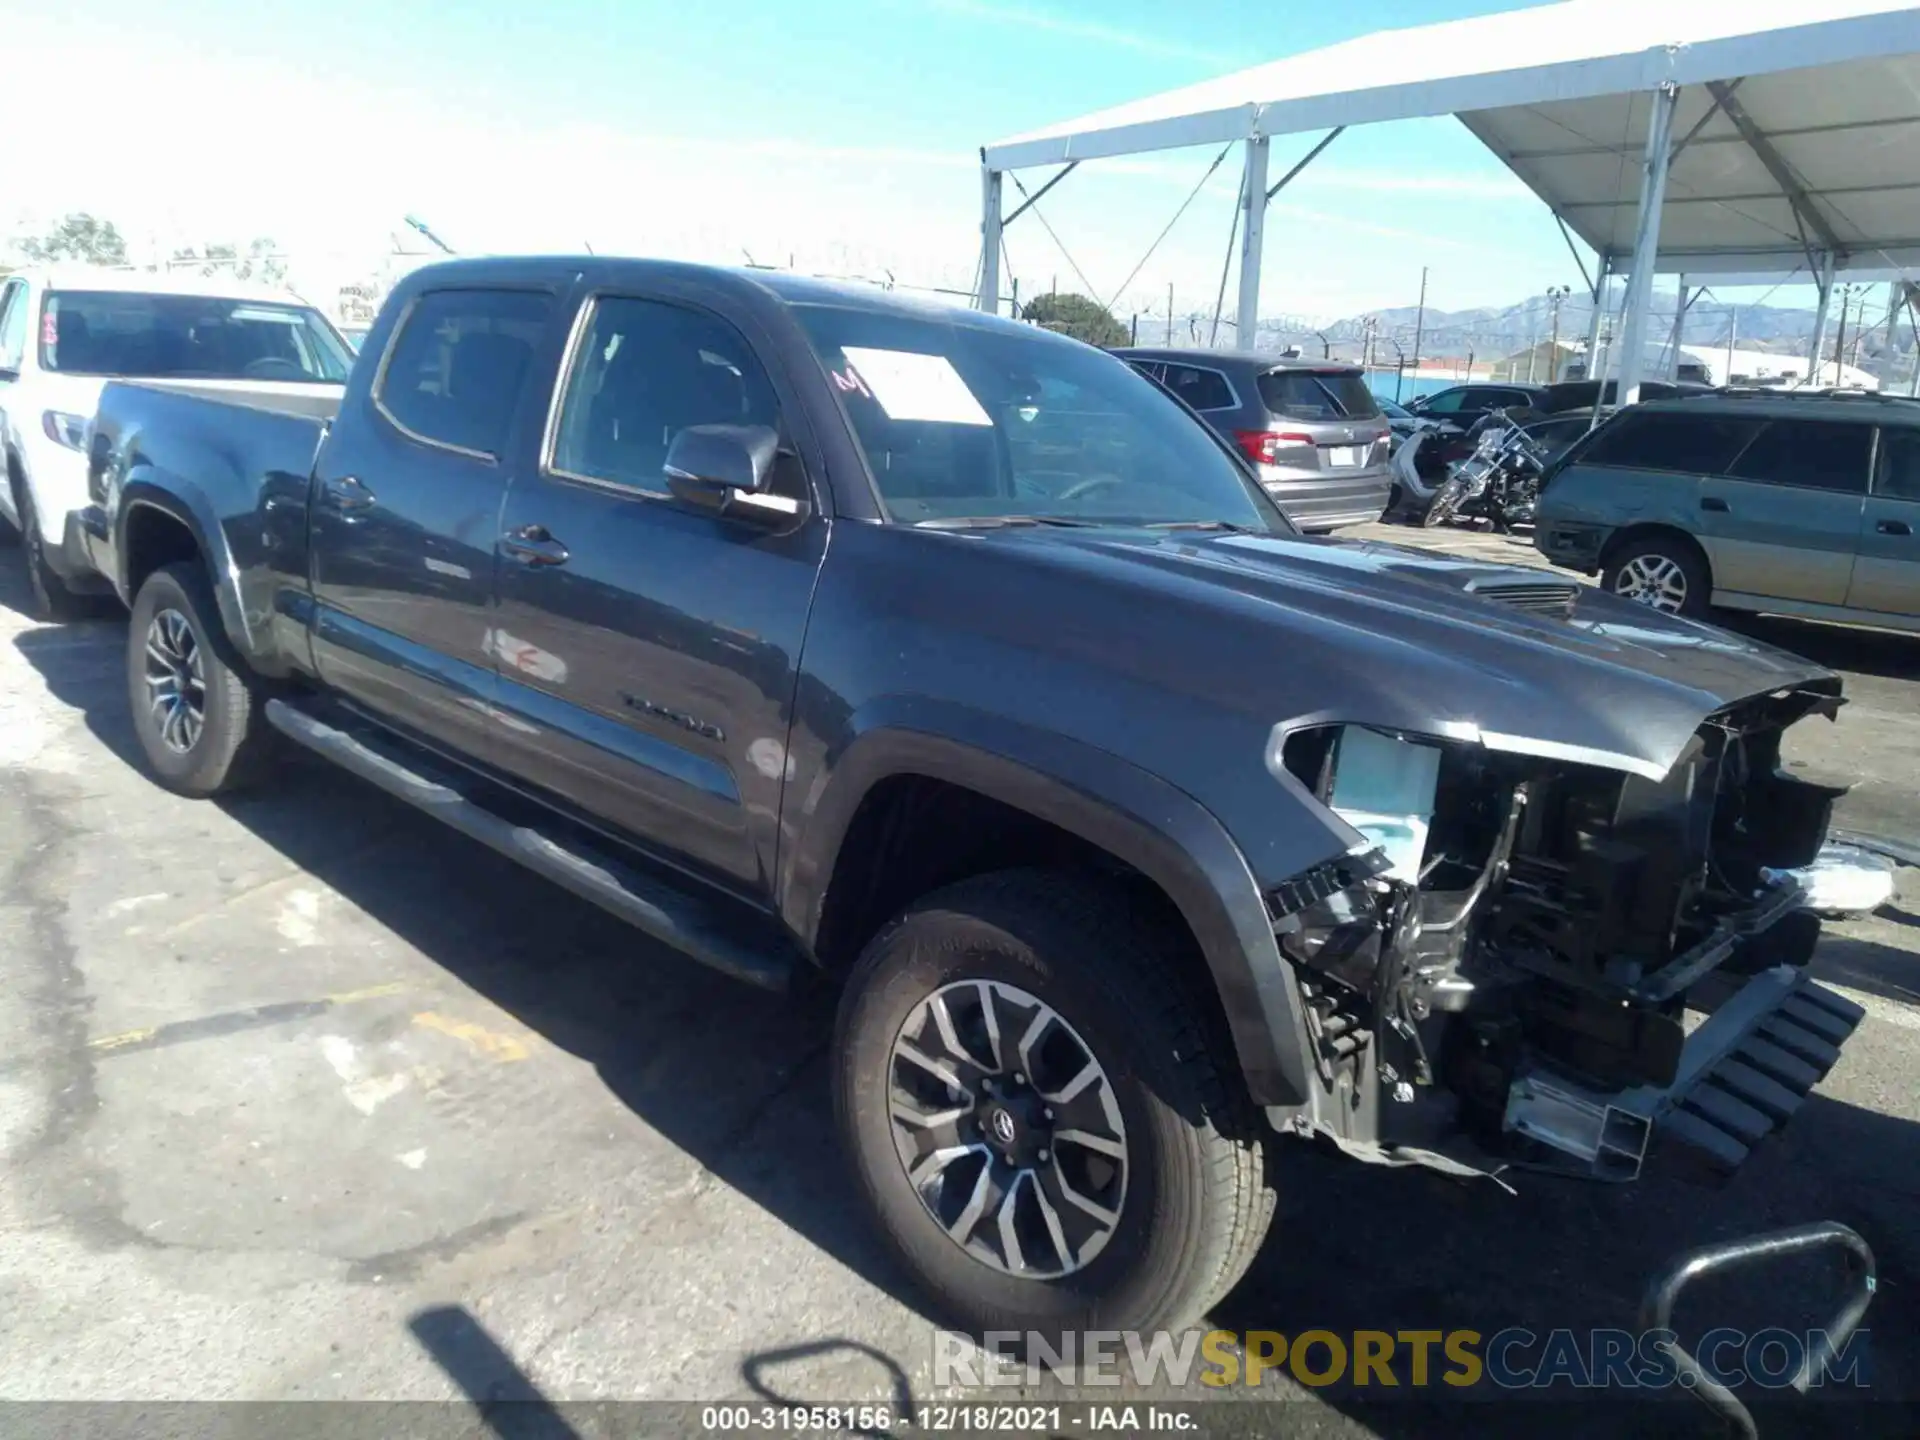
{"x":962,"y":421}
{"x":187,"y":337}
{"x":1318,"y":395}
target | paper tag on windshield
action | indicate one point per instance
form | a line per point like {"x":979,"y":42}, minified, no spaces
{"x":910,"y":386}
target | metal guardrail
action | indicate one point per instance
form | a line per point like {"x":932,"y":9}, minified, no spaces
{"x":1665,"y":1288}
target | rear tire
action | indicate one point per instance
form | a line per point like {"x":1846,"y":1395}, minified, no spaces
{"x":1185,"y":1194}
{"x":194,"y":708}
{"x":1663,"y":572}
{"x":52,"y":599}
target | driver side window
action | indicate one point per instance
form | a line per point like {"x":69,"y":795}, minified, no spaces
{"x":1447,"y":402}
{"x":645,"y":371}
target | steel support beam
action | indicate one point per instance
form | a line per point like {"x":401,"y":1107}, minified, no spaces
{"x":1253,"y":229}
{"x":1720,"y":98}
{"x":1572,"y":249}
{"x":1305,"y":160}
{"x":1601,"y":277}
{"x":1646,"y":243}
{"x":1782,"y":174}
{"x":990,"y":227}
{"x":1825,"y":281}
{"x":1034,"y":199}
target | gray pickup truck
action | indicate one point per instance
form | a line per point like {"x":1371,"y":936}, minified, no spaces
{"x":818,"y":632}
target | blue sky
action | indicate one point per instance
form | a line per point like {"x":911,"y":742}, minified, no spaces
{"x":840,"y":135}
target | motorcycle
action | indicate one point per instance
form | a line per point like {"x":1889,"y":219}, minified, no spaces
{"x":1499,"y":482}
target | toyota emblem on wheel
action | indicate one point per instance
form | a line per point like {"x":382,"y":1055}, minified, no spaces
{"x":1003,"y":1127}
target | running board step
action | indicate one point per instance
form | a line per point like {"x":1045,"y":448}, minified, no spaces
{"x":662,"y":911}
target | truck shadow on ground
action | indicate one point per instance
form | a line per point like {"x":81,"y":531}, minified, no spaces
{"x":1884,"y":653}
{"x":738,"y":1080}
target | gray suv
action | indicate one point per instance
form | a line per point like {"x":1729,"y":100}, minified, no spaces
{"x":1311,"y":428}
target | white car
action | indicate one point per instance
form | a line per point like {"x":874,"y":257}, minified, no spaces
{"x":65,"y":333}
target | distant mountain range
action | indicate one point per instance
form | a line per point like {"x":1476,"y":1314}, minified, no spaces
{"x":1491,"y":333}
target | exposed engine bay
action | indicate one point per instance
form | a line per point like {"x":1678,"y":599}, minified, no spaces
{"x":1503,"y":975}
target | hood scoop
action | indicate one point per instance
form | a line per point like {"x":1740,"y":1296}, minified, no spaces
{"x":1538,"y":597}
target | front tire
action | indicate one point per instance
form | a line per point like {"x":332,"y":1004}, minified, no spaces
{"x":1445,"y":501}
{"x":1662,"y":572}
{"x":1040,"y":1114}
{"x":194,"y":709}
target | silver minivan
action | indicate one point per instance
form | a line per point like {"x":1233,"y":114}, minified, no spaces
{"x":1311,"y":428}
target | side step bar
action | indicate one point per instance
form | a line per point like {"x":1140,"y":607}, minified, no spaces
{"x":667,"y":914}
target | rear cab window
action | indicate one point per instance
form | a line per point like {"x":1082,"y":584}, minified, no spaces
{"x":1318,"y":395}
{"x":187,"y":337}
{"x":458,"y":368}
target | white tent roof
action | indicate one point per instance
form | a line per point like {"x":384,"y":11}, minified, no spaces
{"x":1818,"y":130}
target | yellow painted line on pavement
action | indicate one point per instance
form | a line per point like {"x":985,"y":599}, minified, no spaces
{"x":502,"y":1049}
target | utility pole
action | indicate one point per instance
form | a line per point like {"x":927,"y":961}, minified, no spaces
{"x":1555,"y":294}
{"x":1839,"y":339}
{"x":1420,"y":320}
{"x":1169,"y":314}
{"x":1733,"y":330}
{"x":1679,"y":323}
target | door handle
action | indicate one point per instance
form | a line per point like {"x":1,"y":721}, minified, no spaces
{"x":347,"y":493}
{"x":533,"y":545}
{"x":1714,"y":503}
{"x":1893,"y":527}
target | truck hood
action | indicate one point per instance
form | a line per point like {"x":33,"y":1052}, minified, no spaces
{"x":1323,"y":630}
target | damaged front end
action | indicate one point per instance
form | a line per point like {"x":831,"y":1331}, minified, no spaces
{"x":1502,"y":971}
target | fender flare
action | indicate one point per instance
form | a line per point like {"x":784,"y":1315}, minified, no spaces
{"x":1159,"y":830}
{"x":178,"y":502}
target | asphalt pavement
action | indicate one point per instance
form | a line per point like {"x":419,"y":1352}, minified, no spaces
{"x":303,"y":1097}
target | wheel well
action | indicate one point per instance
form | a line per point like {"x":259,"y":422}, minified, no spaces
{"x":154,"y":538}
{"x":1620,"y":539}
{"x":914,"y":834}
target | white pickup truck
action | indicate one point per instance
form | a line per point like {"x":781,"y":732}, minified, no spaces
{"x":65,"y":333}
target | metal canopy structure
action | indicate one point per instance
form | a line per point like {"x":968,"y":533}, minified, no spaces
{"x":1701,"y":137}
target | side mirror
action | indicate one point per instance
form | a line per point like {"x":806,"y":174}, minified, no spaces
{"x":708,"y":465}
{"x":1418,"y":405}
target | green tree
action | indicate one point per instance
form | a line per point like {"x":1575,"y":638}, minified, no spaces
{"x":1077,"y":316}
{"x":78,"y":237}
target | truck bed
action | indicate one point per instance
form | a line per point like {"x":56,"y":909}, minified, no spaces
{"x":228,"y":461}
{"x":316,"y":402}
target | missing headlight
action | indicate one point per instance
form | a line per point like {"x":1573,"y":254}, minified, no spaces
{"x":1384,"y":788}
